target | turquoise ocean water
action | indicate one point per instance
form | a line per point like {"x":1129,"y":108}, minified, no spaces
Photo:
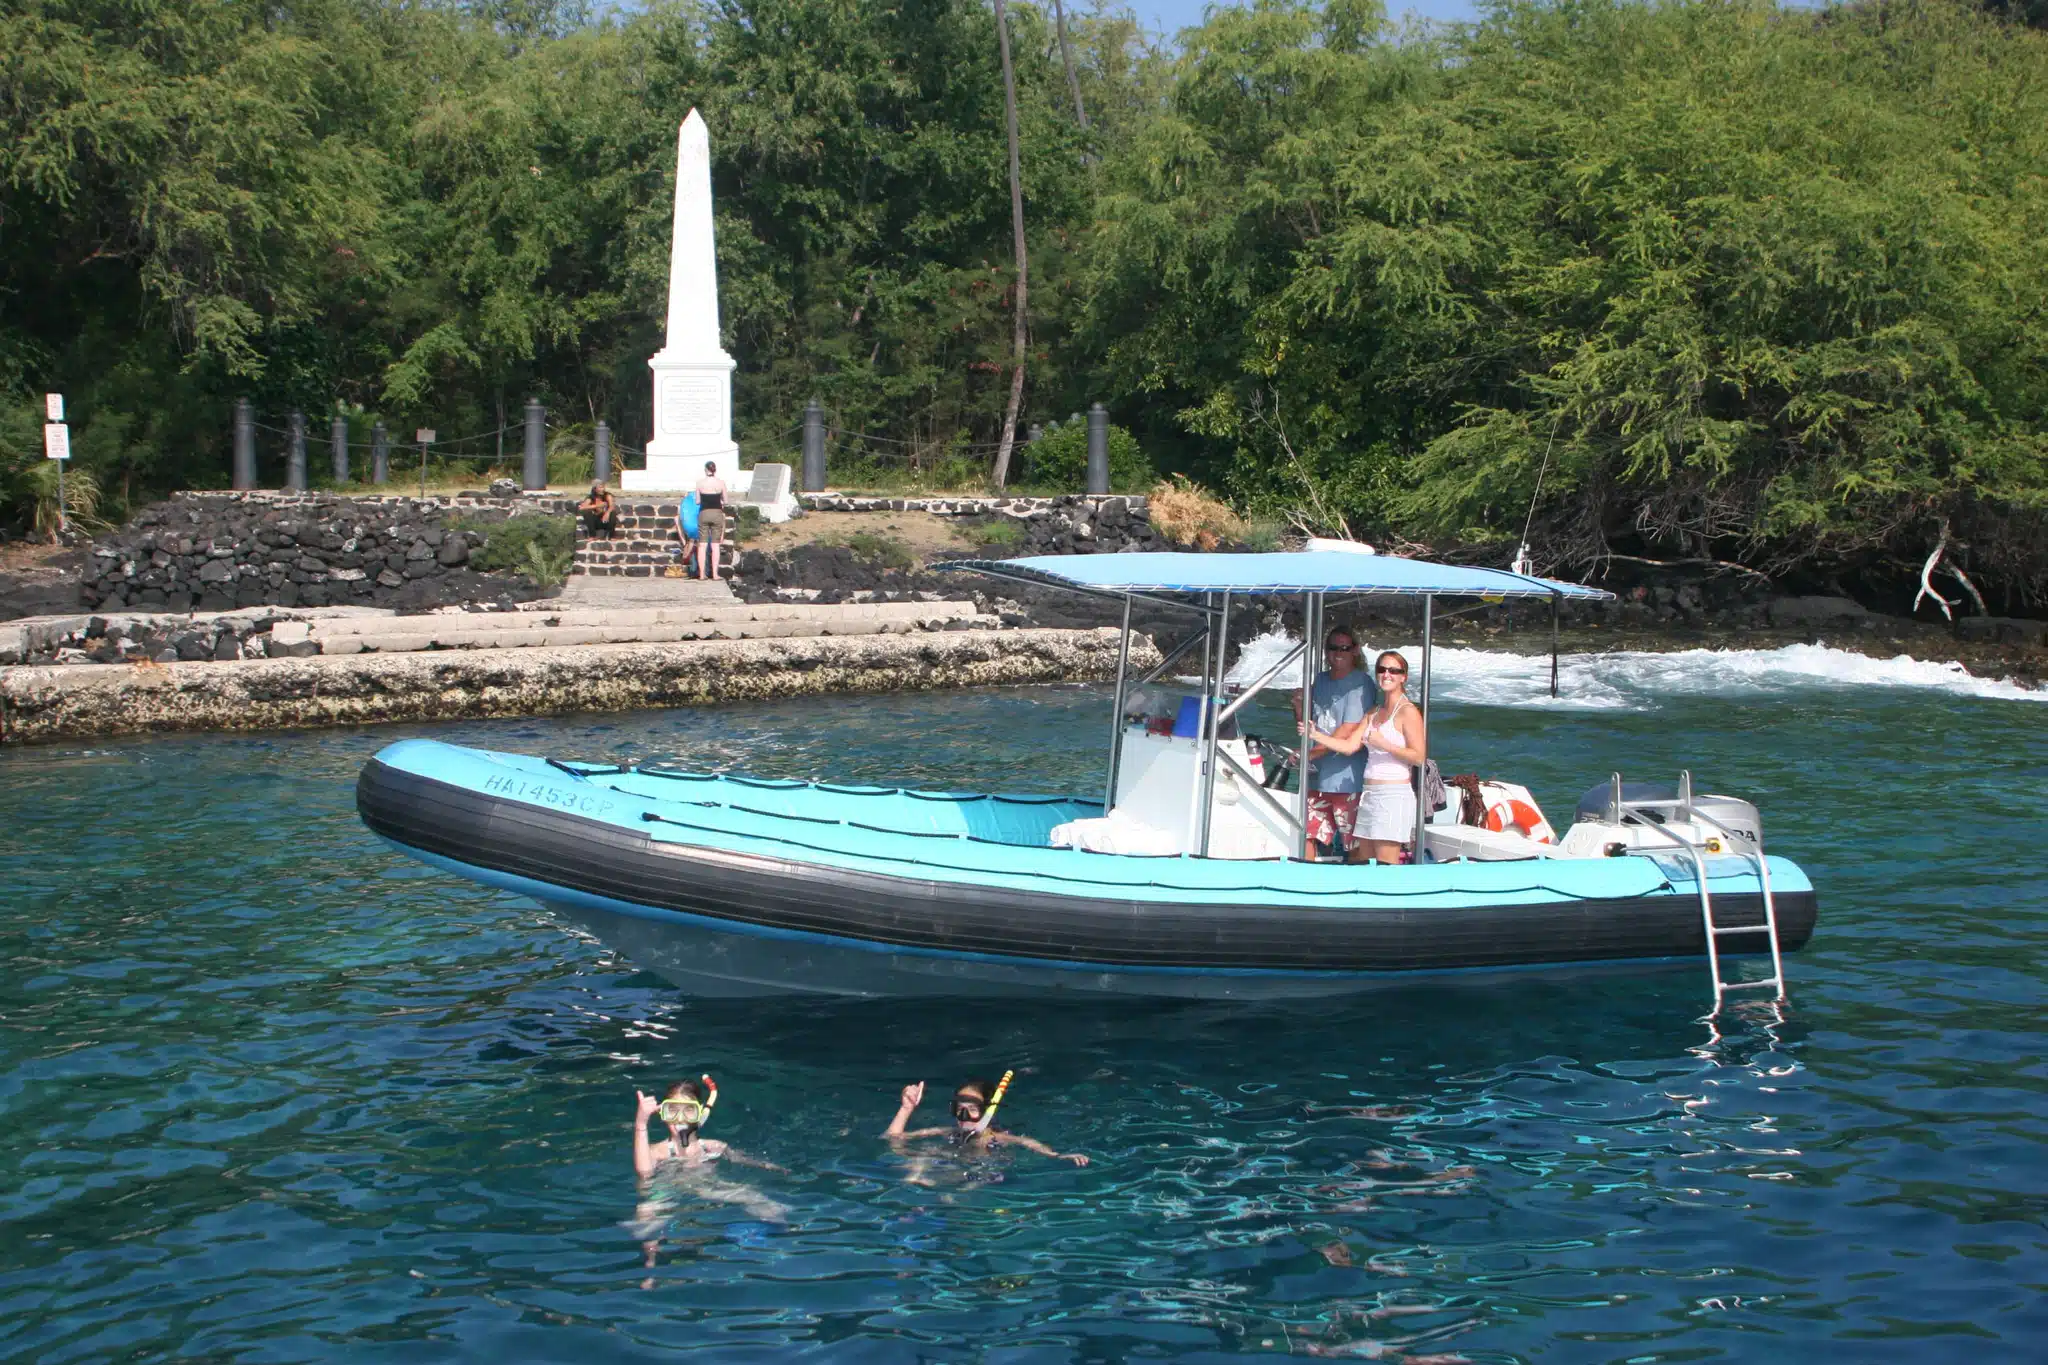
{"x":270,"y":1091}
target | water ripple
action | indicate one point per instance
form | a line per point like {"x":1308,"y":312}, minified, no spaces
{"x":269,"y":1091}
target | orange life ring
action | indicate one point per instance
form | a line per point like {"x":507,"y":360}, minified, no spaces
{"x":1525,"y":818}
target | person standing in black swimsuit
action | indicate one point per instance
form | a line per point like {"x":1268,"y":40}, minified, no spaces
{"x":710,"y":519}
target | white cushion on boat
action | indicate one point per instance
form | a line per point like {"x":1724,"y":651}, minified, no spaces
{"x":1450,"y":842}
{"x":1114,"y":833}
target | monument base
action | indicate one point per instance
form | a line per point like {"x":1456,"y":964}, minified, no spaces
{"x":679,"y":473}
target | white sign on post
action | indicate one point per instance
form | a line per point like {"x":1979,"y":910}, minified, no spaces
{"x":56,"y":441}
{"x":53,"y":407}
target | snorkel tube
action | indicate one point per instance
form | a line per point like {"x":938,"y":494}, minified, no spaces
{"x":710,"y":1100}
{"x":988,"y":1114}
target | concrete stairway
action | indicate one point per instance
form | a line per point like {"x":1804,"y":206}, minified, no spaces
{"x":574,"y":625}
{"x":646,"y":544}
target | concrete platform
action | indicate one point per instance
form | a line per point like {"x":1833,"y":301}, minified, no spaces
{"x":640,"y":591}
{"x":71,"y":702}
{"x":573,"y":625}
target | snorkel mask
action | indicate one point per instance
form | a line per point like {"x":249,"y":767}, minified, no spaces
{"x":681,"y":1111}
{"x":981,"y":1115}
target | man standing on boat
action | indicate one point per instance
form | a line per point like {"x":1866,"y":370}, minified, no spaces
{"x":1338,"y":704}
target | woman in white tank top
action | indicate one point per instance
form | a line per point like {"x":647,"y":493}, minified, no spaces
{"x":1393,"y":741}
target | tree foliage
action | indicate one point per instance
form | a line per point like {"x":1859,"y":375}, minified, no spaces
{"x":1730,"y":281}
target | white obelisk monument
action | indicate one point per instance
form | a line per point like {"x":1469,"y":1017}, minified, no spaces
{"x":692,"y":372}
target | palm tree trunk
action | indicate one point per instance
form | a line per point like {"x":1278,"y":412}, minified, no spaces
{"x":1059,"y":19}
{"x":1009,"y":437}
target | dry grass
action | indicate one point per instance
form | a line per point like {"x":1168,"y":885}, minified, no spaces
{"x":1188,"y":514}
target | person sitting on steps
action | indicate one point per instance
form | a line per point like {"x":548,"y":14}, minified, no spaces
{"x":600,"y":514}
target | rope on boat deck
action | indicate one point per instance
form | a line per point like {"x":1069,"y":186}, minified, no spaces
{"x":793,"y":784}
{"x":651,"y":817}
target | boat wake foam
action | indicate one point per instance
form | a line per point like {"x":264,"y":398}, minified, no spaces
{"x":1633,"y":681}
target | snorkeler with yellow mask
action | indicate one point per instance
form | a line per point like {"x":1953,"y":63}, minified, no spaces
{"x":973,"y":1127}
{"x":682,"y":1163}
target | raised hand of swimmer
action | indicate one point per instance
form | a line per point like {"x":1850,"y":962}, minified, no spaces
{"x":648,"y":1106}
{"x":913,"y":1095}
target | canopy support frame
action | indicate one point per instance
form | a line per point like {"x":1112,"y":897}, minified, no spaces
{"x":1311,"y":665}
{"x":1116,"y":712}
{"x":1556,"y":606}
{"x":1212,"y":723}
{"x":1422,"y":812}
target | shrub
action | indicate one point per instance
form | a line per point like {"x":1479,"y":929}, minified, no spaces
{"x":1188,"y":514}
{"x":572,"y":455}
{"x":509,"y":544}
{"x":997,"y":531}
{"x":571,"y":468}
{"x":545,"y":565}
{"x":1058,"y":460}
{"x":1263,"y":533}
{"x":746,"y":524}
{"x":81,"y":497}
{"x":884,"y":551}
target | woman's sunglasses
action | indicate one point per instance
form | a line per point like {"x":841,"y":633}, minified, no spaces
{"x":1392,"y":672}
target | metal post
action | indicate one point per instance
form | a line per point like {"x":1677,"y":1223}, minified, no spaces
{"x":1195,"y":789}
{"x":814,"y":447}
{"x":601,"y":453}
{"x":63,"y":516}
{"x":1098,"y":449}
{"x":423,"y":471}
{"x":245,"y":446}
{"x":295,"y":465}
{"x":1211,"y":731}
{"x":1422,"y":705}
{"x":380,"y":454}
{"x":337,"y":441}
{"x":1555,"y":600}
{"x":535,"y":473}
{"x":1311,"y":655}
{"x":1116,"y":715}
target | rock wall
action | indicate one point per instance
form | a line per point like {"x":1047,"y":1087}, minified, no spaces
{"x":220,"y":551}
{"x":59,"y":703}
{"x":1073,"y":524}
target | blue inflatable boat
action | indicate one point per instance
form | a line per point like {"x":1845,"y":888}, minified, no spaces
{"x":1187,"y":879}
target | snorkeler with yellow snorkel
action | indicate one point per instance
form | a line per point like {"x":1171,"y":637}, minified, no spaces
{"x":682,"y":1163}
{"x":974,"y":1111}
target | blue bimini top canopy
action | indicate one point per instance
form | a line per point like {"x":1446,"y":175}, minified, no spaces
{"x":1334,"y":571}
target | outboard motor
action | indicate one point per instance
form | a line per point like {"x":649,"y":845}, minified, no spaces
{"x":1741,"y":817}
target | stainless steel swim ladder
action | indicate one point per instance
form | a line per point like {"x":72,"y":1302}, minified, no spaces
{"x":1682,"y":806}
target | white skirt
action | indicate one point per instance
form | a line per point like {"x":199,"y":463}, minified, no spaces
{"x":1386,"y":813}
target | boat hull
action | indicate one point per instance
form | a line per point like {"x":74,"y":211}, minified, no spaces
{"x":731,"y":921}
